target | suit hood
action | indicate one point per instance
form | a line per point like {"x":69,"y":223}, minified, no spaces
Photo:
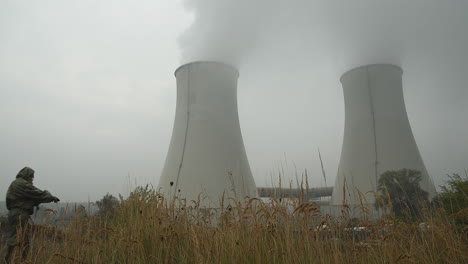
{"x":26,"y":173}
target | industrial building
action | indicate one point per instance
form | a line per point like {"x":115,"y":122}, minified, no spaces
{"x":377,"y":134}
{"x":206,"y":160}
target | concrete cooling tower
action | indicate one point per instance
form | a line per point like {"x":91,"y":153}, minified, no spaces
{"x":377,"y":134}
{"x":206,"y":156}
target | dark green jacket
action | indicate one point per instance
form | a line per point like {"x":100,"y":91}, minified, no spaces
{"x":23,"y":195}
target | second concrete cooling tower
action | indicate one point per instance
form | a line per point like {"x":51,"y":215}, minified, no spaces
{"x":377,"y":135}
{"x":206,"y":156}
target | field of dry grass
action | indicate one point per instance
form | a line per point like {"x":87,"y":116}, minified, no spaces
{"x":145,"y":230}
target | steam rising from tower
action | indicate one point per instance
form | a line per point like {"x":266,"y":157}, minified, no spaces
{"x":377,"y":135}
{"x":206,"y":155}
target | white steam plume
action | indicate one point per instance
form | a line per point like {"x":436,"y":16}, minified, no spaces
{"x":343,"y":33}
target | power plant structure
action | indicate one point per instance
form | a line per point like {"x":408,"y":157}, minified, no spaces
{"x":377,"y":134}
{"x":206,"y":161}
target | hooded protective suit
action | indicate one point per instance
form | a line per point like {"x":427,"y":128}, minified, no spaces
{"x":21,"y":198}
{"x":23,"y":195}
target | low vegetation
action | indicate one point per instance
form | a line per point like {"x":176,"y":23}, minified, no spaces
{"x":145,"y":228}
{"x":454,"y":199}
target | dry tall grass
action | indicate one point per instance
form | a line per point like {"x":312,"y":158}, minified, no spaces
{"x":146,"y":230}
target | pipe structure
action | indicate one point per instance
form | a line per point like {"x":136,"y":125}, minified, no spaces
{"x":294,"y":192}
{"x":206,"y":160}
{"x":377,"y":134}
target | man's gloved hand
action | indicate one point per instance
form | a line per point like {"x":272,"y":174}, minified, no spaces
{"x":55,"y":199}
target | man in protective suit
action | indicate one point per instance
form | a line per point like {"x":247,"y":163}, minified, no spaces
{"x":21,"y":199}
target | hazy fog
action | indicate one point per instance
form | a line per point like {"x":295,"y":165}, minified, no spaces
{"x":87,"y":92}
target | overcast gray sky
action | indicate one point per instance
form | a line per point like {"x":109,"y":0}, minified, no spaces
{"x":87,"y":91}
